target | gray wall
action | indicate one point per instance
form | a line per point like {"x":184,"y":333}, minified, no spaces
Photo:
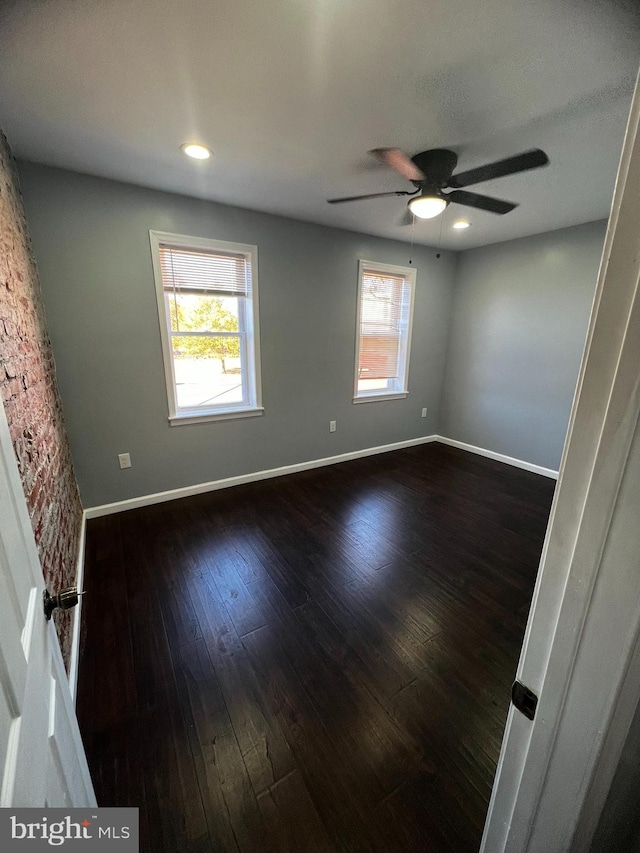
{"x":519,"y":323}
{"x":91,"y":243}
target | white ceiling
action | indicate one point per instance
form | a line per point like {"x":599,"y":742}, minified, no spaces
{"x":290,"y":95}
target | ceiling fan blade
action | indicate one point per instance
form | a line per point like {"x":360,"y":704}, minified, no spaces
{"x":370,"y":195}
{"x":396,"y":159}
{"x":501,"y":168}
{"x":483,"y":202}
{"x":406,"y":218}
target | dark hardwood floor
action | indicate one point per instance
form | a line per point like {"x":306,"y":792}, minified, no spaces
{"x":320,"y":662}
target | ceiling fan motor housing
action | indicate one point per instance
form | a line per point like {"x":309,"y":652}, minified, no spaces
{"x":437,"y":166}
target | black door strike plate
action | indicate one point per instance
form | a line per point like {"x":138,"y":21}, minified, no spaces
{"x":525,"y":700}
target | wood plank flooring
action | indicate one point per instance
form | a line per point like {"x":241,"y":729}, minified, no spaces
{"x":320,"y":662}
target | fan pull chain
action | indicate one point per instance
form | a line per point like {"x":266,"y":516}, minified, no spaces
{"x":440,"y":237}
{"x":413,"y":231}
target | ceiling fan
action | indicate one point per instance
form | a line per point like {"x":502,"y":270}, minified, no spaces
{"x":431,"y":172}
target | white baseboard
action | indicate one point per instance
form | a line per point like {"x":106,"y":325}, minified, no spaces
{"x":74,"y":659}
{"x":227,"y":482}
{"x":213,"y":485}
{"x":499,"y":457}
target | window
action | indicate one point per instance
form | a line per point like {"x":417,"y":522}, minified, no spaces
{"x":208,"y":308}
{"x":383,"y":334}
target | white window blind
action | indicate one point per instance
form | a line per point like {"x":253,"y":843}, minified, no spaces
{"x":381,"y":325}
{"x":187,"y":270}
{"x":384,"y":321}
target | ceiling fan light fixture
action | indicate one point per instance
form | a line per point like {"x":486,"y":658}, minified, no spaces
{"x":427,"y":206}
{"x":196,"y":150}
{"x":459,"y":224}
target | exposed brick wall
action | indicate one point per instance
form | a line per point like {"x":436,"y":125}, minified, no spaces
{"x":31,"y":400}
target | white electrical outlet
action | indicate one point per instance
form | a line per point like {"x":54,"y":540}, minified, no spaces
{"x":424,"y":413}
{"x":332,"y":426}
{"x":125,"y":460}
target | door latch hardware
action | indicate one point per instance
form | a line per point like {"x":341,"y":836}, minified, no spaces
{"x":65,"y":600}
{"x":525,"y":700}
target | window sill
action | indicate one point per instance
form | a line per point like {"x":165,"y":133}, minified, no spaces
{"x":205,"y":417}
{"x":374,"y":398}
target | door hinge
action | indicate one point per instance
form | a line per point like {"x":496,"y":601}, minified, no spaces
{"x":525,"y":700}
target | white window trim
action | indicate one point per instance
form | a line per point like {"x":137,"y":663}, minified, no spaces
{"x":202,"y":415}
{"x":377,"y":396}
{"x":384,"y":394}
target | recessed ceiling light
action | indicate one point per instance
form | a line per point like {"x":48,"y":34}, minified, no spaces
{"x":427,"y":206}
{"x":195,"y":150}
{"x":459,"y":224}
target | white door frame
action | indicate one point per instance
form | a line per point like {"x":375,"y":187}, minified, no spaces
{"x":581,"y":653}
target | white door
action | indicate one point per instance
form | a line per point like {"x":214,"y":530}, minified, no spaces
{"x":41,"y":754}
{"x":581,"y":653}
